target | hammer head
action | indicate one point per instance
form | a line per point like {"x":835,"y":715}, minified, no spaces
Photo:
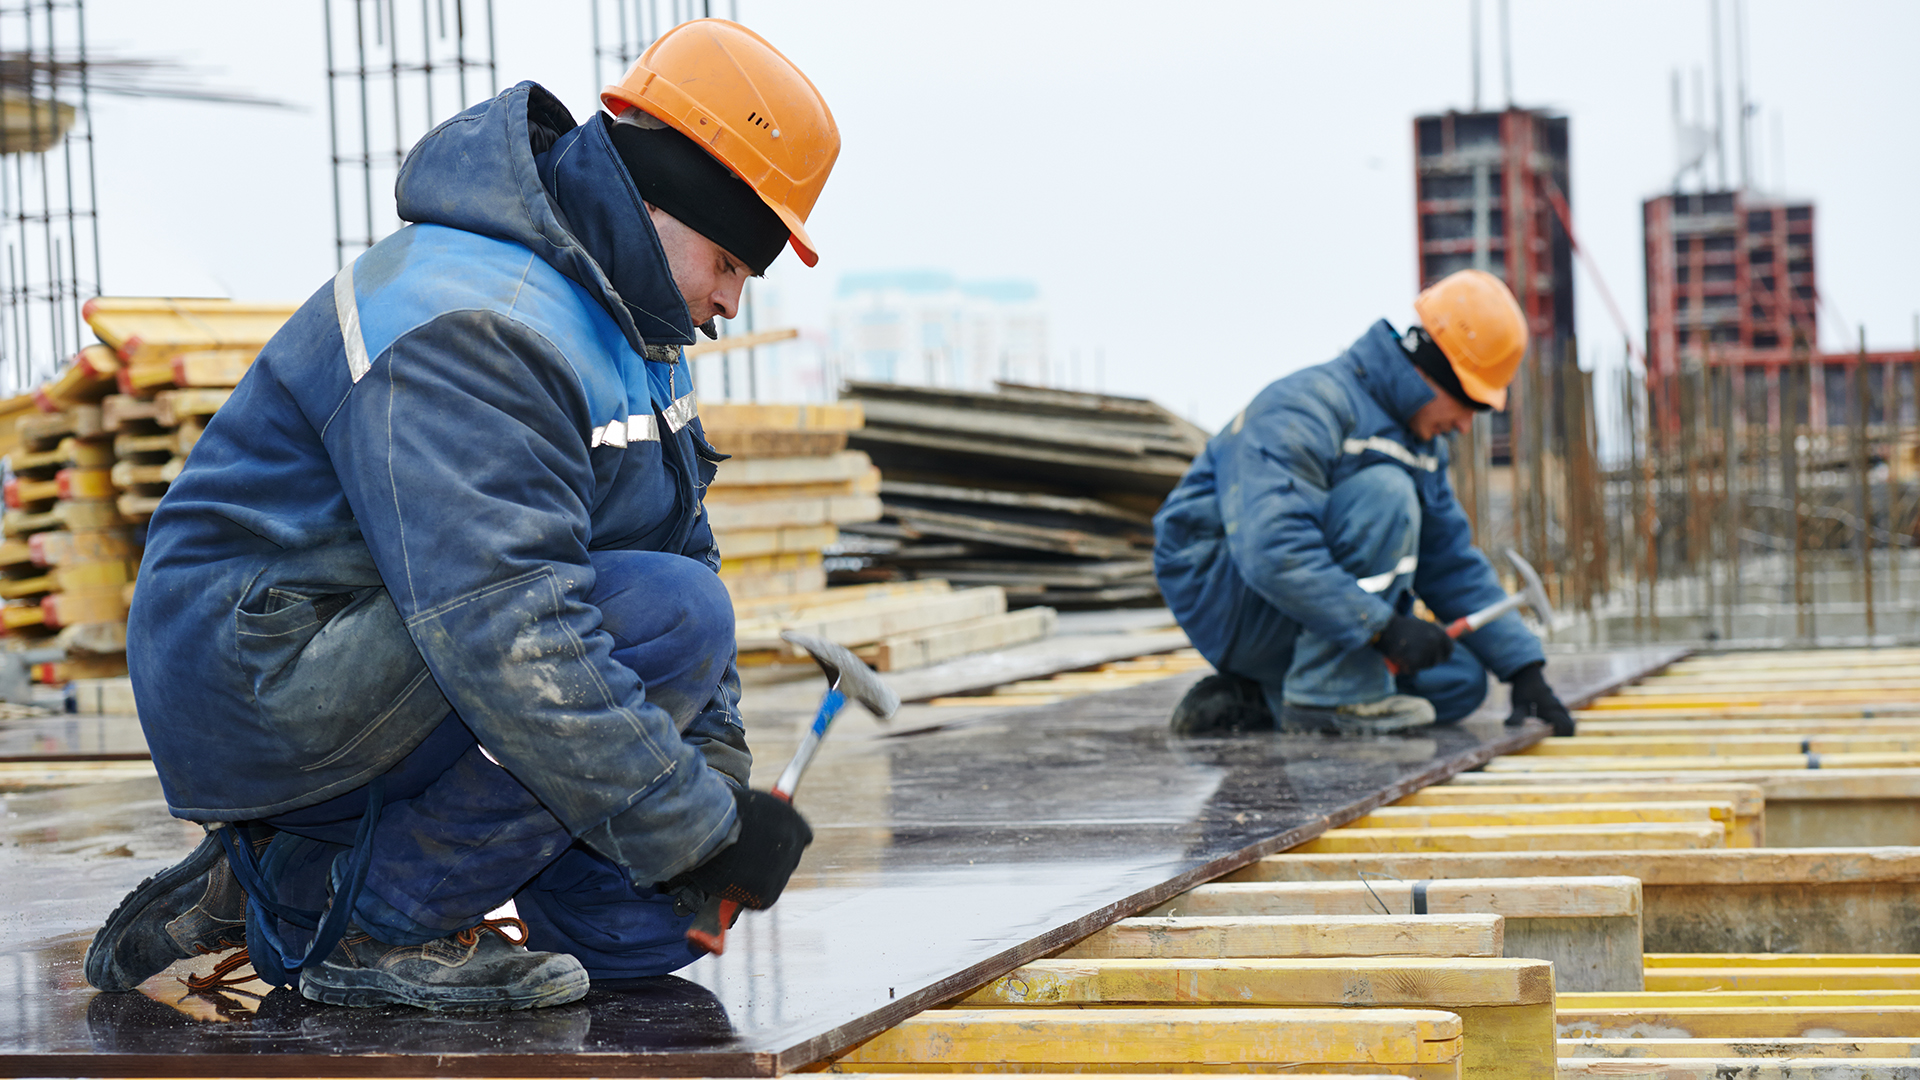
{"x":1531,"y":590}
{"x":847,"y":673}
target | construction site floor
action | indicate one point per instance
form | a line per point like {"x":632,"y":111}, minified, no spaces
{"x":942,"y":860}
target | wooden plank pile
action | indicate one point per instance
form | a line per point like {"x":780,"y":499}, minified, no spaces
{"x":778,"y":507}
{"x":1049,"y":494}
{"x":90,"y":453}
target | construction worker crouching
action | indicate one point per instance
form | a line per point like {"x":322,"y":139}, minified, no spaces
{"x":1294,"y":546}
{"x":432,"y":620}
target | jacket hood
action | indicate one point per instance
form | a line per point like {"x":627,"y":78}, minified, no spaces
{"x":1381,"y":365}
{"x":517,"y":168}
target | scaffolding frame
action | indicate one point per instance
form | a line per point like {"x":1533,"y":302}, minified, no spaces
{"x":49,"y":220}
{"x":387,"y":95}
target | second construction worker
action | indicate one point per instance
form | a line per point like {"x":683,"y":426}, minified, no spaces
{"x":1294,"y":547}
{"x":431,"y":620}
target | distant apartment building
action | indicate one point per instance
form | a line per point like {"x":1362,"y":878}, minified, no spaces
{"x":1485,"y":183}
{"x":929,"y":328}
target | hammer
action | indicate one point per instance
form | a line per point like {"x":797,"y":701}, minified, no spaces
{"x":847,"y":677}
{"x":1532,"y":595}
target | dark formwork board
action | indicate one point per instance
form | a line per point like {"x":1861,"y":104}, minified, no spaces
{"x":941,"y":861}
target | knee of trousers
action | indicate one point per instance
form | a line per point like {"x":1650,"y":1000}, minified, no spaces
{"x":1455,"y":687}
{"x":662,"y":598}
{"x":1373,"y":517}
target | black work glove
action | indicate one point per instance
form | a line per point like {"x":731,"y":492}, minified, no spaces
{"x":1413,"y":644}
{"x":1533,"y":697}
{"x":753,"y":870}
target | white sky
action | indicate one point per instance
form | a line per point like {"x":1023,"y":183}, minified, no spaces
{"x":1212,"y":195}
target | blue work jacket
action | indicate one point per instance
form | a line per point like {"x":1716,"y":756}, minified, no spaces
{"x":392,"y":515}
{"x":1253,"y":508}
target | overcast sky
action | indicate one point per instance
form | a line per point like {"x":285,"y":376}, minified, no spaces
{"x":1212,"y":195}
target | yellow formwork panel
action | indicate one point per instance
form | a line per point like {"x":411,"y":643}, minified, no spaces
{"x":1624,"y":836}
{"x":1735,"y":1068}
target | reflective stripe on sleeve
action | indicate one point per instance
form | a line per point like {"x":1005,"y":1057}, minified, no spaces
{"x":1378,"y":583}
{"x":1393,"y":450}
{"x":347,"y":310}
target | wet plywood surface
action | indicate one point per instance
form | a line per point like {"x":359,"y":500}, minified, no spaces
{"x":941,"y":860}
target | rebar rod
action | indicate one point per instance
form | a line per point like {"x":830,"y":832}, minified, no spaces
{"x":1862,"y":493}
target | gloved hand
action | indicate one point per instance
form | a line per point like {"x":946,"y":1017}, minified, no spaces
{"x":753,"y":870}
{"x":1413,"y":644}
{"x":1533,"y":697}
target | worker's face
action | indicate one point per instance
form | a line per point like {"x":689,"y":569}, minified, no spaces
{"x":709,"y":279}
{"x":1444,"y":415}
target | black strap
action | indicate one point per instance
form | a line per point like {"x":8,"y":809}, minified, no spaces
{"x":1813,"y":761}
{"x":1420,"y":897}
{"x":1806,"y":744}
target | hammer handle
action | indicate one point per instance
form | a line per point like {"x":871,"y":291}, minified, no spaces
{"x":1466,"y":624}
{"x":709,"y":929}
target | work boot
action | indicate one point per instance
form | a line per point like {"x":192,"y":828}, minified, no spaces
{"x":1221,"y":704}
{"x":478,"y":968}
{"x":1395,"y":712}
{"x":194,"y":906}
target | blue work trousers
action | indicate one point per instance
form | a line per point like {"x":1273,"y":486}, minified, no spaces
{"x":458,"y":836}
{"x":1373,"y":531}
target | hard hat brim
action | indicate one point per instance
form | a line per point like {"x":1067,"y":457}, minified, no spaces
{"x":1478,"y":388}
{"x":616,"y":99}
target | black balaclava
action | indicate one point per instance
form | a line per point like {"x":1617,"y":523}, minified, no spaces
{"x":676,"y":175}
{"x":1426,"y":356}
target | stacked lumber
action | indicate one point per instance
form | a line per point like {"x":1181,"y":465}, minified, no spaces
{"x":89,"y":454}
{"x":176,"y":362}
{"x":1049,"y":494}
{"x":778,"y":507}
{"x":66,"y":555}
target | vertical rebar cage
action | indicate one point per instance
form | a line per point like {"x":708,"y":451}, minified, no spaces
{"x":49,"y":235}
{"x":394,"y":70}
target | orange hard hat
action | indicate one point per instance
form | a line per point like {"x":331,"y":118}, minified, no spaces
{"x":1477,"y":323}
{"x":723,"y":86}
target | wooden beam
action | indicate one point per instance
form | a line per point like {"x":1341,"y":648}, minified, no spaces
{"x":1747,"y":828}
{"x":1740,"y":900}
{"x":1744,"y":1050}
{"x":741,"y":341}
{"x":1815,"y":977}
{"x":924,"y":648}
{"x":1586,"y":813}
{"x":1519,"y":763}
{"x":888,"y":621}
{"x":756,"y":472}
{"x":1745,"y":1068}
{"x":725,"y":417}
{"x":1232,"y":936}
{"x":1076,"y":1040}
{"x":1733,"y":745}
{"x":1505,"y":1006}
{"x":1637,"y":836}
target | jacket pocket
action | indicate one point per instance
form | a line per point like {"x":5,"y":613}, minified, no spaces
{"x":330,"y":669}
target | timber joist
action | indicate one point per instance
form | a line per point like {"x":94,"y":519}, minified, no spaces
{"x":1718,"y":877}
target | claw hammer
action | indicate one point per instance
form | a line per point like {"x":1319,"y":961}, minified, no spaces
{"x":1532,"y":595}
{"x":847,"y":677}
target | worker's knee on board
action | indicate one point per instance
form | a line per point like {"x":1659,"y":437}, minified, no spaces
{"x":1456,"y":686}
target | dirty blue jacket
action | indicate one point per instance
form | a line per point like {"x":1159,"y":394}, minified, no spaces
{"x":392,"y":515}
{"x":1252,"y":509}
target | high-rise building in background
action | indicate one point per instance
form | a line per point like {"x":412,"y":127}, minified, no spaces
{"x":1486,"y":183}
{"x":929,"y":328}
{"x":1730,"y":278}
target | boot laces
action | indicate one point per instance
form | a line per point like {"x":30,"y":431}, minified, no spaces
{"x":222,"y":976}
{"x":471,"y":935}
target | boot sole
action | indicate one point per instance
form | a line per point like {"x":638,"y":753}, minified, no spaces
{"x":100,"y":952}
{"x":362,"y":989}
